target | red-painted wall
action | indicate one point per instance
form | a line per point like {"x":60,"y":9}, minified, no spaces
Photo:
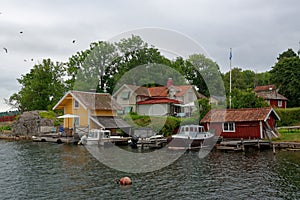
{"x":274,"y":103}
{"x":243,"y":130}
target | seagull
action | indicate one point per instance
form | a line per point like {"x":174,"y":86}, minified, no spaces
{"x":5,"y":49}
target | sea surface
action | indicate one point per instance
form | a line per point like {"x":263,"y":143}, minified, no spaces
{"x":30,"y":170}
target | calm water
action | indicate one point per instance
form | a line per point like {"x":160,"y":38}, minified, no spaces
{"x":59,"y":171}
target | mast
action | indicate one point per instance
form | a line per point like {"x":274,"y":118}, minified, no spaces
{"x":230,"y":57}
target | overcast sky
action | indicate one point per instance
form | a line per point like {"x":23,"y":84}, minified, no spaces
{"x":256,"y":30}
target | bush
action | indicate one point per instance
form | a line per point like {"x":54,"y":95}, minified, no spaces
{"x":51,"y":115}
{"x":5,"y":128}
{"x":170,"y":126}
{"x":288,"y":116}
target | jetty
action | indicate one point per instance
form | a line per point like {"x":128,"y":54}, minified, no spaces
{"x":152,"y":143}
{"x":242,"y":145}
{"x":55,"y":138}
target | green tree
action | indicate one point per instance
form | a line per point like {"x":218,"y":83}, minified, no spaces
{"x":203,"y":107}
{"x":132,"y":44}
{"x":263,"y":78}
{"x":148,"y":59}
{"x":99,"y":59}
{"x":41,"y":88}
{"x":246,"y":99}
{"x":75,"y":63}
{"x":287,"y":54}
{"x":205,"y":74}
{"x":237,"y":80}
{"x":285,"y":74}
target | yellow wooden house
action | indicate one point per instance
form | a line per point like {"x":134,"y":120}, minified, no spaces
{"x":91,"y":111}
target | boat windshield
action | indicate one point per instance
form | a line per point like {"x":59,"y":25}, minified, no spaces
{"x":193,"y":129}
{"x":92,"y":134}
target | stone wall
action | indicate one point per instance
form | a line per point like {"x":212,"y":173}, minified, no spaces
{"x":29,"y":123}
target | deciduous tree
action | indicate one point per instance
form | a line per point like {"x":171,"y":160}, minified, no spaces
{"x":285,"y":74}
{"x":41,"y":88}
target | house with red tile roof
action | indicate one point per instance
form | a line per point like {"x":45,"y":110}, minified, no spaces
{"x":157,"y":101}
{"x":253,"y":123}
{"x":271,"y":95}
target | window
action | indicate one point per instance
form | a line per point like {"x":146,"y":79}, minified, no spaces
{"x":279,"y":103}
{"x":228,"y":127}
{"x":76,"y":122}
{"x":76,"y":104}
{"x":125,"y":95}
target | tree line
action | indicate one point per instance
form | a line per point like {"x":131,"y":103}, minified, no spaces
{"x":104,"y":65}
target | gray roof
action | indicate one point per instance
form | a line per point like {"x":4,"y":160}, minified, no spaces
{"x":96,"y":101}
{"x":108,"y":122}
{"x":271,"y":95}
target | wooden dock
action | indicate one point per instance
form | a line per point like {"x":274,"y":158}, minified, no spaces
{"x":153,"y":143}
{"x":242,"y":145}
{"x":54,"y":138}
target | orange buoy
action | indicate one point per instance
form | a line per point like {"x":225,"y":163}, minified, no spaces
{"x":125,"y":181}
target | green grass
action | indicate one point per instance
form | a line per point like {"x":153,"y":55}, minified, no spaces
{"x":288,"y":136}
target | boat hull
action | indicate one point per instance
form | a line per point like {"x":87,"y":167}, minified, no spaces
{"x":182,"y":143}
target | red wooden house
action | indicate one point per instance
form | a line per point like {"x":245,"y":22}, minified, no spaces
{"x":246,"y":123}
{"x":271,"y":95}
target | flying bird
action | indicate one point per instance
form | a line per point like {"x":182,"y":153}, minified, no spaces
{"x":73,"y":41}
{"x":5,"y":49}
{"x":21,"y":32}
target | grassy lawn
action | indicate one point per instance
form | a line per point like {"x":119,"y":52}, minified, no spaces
{"x":288,"y":136}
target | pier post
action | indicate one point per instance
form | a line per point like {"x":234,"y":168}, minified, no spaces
{"x":243,"y":146}
{"x":274,"y":150}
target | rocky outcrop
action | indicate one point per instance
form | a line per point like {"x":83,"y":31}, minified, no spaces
{"x":30,"y":123}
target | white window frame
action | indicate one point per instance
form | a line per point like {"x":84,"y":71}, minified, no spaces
{"x":279,"y":103}
{"x":76,"y":104}
{"x":76,"y":121}
{"x":228,"y":129}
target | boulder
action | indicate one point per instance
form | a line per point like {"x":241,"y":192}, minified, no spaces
{"x":29,"y":123}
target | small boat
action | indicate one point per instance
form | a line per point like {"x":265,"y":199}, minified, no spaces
{"x":102,"y":137}
{"x":189,"y":137}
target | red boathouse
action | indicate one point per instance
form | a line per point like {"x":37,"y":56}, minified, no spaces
{"x":246,"y":123}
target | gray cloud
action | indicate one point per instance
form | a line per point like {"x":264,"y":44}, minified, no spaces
{"x":256,"y":30}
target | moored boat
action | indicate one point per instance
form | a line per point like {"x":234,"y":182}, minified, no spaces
{"x":189,"y":137}
{"x":102,"y":137}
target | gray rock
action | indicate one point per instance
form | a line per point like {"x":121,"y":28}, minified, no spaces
{"x":29,"y":124}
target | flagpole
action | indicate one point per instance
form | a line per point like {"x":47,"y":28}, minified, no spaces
{"x":230,"y":57}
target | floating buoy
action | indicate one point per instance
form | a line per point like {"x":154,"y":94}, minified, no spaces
{"x":124,"y":181}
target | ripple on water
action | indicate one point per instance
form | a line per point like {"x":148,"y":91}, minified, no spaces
{"x":52,"y":171}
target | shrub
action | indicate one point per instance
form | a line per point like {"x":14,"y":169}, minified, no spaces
{"x":288,"y":116}
{"x":5,"y":128}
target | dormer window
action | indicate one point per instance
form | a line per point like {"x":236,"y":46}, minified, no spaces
{"x":125,"y":95}
{"x":172,"y":92}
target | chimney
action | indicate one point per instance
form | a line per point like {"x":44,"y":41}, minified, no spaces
{"x":169,"y":82}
